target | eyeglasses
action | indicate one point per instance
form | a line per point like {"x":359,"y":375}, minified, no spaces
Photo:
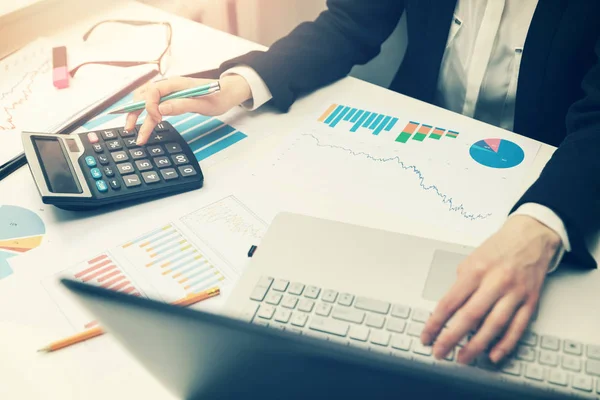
{"x":162,"y":62}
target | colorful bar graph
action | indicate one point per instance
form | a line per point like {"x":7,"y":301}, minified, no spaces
{"x":422,"y":132}
{"x":407,"y":132}
{"x":339,"y":117}
{"x":104,"y":272}
{"x":360,"y":121}
{"x":357,"y":116}
{"x":452,"y":134}
{"x":350,"y":114}
{"x":381,"y":126}
{"x":437,"y":133}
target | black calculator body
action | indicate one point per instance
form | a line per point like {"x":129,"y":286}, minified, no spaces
{"x":93,"y":169}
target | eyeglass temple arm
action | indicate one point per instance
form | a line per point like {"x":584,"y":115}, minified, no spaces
{"x":122,"y":21}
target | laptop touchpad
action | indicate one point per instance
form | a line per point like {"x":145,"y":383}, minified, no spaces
{"x":442,"y":274}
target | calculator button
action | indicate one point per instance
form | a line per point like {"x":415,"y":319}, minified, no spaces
{"x":168,"y":174}
{"x":119,"y":156}
{"x":150,"y":177}
{"x":114,"y":183}
{"x":101,"y":186}
{"x":187,"y":170}
{"x":108,"y":171}
{"x":114,"y":145}
{"x":125,"y":168}
{"x":97,"y":147}
{"x":103,"y":160}
{"x":125,"y":133}
{"x":157,"y":138}
{"x":109,"y":135}
{"x":161,"y":127}
{"x":180,"y":159}
{"x":155,"y":150}
{"x":132,"y":180}
{"x":92,"y":137}
{"x":143,"y":165}
{"x":130,"y":142}
{"x":162,"y":162}
{"x":96,"y":174}
{"x":136,"y":154}
{"x":173,"y":148}
{"x":90,"y":161}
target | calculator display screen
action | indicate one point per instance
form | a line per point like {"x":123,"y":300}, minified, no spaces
{"x":57,"y":169}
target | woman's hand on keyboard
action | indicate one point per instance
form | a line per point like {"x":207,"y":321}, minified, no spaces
{"x":496,"y":292}
{"x":234,"y":91}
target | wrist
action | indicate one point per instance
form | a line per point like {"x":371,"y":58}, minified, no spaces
{"x":533,"y":228}
{"x":235,"y":90}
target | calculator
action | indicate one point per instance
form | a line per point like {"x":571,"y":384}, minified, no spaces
{"x":93,"y":169}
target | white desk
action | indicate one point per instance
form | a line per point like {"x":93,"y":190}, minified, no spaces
{"x":79,"y":372}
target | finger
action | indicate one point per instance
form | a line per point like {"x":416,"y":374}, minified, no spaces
{"x":153,"y":95}
{"x":513,"y":334}
{"x":496,"y":321}
{"x":145,"y":130}
{"x":131,"y":119}
{"x":467,"y":318}
{"x":182,"y":106}
{"x":447,"y":306}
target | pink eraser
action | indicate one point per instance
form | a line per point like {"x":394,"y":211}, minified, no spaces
{"x":60,"y":72}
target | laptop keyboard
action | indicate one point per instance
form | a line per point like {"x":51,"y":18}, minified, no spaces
{"x":395,"y":329}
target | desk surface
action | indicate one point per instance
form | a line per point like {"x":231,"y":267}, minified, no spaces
{"x":84,"y":371}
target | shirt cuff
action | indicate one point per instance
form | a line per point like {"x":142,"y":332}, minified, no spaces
{"x":549,"y":218}
{"x":260,"y":92}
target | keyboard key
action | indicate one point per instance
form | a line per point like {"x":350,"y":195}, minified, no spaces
{"x":593,"y":352}
{"x":108,"y":171}
{"x":282,"y":315}
{"x":550,"y":343}
{"x":316,"y":335}
{"x":558,"y":377}
{"x":157,"y":138}
{"x":583,"y":383}
{"x":162,"y":162}
{"x":349,"y":315}
{"x":137,"y":154}
{"x":130,"y":143}
{"x":420,"y":315}
{"x":114,"y":183}
{"x":92,"y":137}
{"x":299,"y":319}
{"x":109,"y":135}
{"x":323,"y":309}
{"x":265,"y":282}
{"x":150,"y":177}
{"x":380,"y":338}
{"x":249,"y":312}
{"x":548,"y":358}
{"x":419,"y":348}
{"x":119,"y":156}
{"x":512,"y":367}
{"x":103,"y":160}
{"x":329,"y":326}
{"x":534,"y":371}
{"x":277,"y":325}
{"x":274,"y":298}
{"x":155,"y":151}
{"x":296,"y":288}
{"x":143,"y":165}
{"x":289,"y":302}
{"x":415,"y":329}
{"x":260,"y":322}
{"x":401,"y":342}
{"x":114,"y":145}
{"x":168,"y":174}
{"x":306,"y":305}
{"x":127,"y":134}
{"x":450,"y":356}
{"x":483,"y":362}
{"x":173,"y":148}
{"x":329,"y":296}
{"x":571,"y":363}
{"x":529,"y":338}
{"x":525,"y":353}
{"x":281,"y":285}
{"x":187,"y":170}
{"x":132,"y":180}
{"x":571,"y":347}
{"x":161,"y":127}
{"x":376,"y":306}
{"x":375,"y":321}
{"x":180,"y":159}
{"x":345,"y":299}
{"x":312,"y":292}
{"x":359,"y":333}
{"x":101,"y":186}
{"x":125,"y":168}
{"x":294,"y":330}
{"x":266,"y":311}
{"x":396,"y":325}
{"x":592,"y":367}
{"x":261,"y":289}
{"x":98,"y":148}
{"x":400,"y":311}
{"x":96,"y":173}
{"x":90,"y":161}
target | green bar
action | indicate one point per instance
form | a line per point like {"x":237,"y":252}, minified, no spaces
{"x":435,"y":136}
{"x":419,"y":136}
{"x":452,"y":136}
{"x":403,"y":137}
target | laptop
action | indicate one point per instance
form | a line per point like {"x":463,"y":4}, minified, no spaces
{"x":332,"y":310}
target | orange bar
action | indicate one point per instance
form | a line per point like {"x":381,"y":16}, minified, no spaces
{"x":95,"y":267}
{"x":167,"y":272}
{"x":102,"y":257}
{"x":105,"y":277}
{"x":113,"y":281}
{"x":326,"y":114}
{"x":129,"y":289}
{"x":98,"y":273}
{"x":120,"y":286}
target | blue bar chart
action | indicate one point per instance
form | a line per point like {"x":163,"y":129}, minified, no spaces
{"x":357,"y":119}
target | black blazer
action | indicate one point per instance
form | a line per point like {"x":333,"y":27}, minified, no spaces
{"x":558,"y":93}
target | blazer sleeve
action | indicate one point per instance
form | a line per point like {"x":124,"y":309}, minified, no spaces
{"x":317,"y":53}
{"x":570,"y":182}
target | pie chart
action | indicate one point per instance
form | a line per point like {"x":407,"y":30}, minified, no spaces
{"x":497,"y":153}
{"x":21,"y":230}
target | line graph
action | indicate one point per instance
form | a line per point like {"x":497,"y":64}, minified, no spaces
{"x":446,"y":199}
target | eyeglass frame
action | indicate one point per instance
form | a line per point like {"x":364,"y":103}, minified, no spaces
{"x":128,"y":63}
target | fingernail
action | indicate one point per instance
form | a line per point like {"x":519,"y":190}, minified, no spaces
{"x":426,"y":338}
{"x":165,"y":109}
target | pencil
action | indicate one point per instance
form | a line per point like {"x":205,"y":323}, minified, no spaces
{"x":92,"y":333}
{"x":199,"y":91}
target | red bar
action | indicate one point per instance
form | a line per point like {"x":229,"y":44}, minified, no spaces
{"x":120,"y":286}
{"x":424,"y":129}
{"x":105,"y":277}
{"x":102,"y":257}
{"x":98,"y":273}
{"x":129,"y":289}
{"x":113,"y":281}
{"x":93,"y":268}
